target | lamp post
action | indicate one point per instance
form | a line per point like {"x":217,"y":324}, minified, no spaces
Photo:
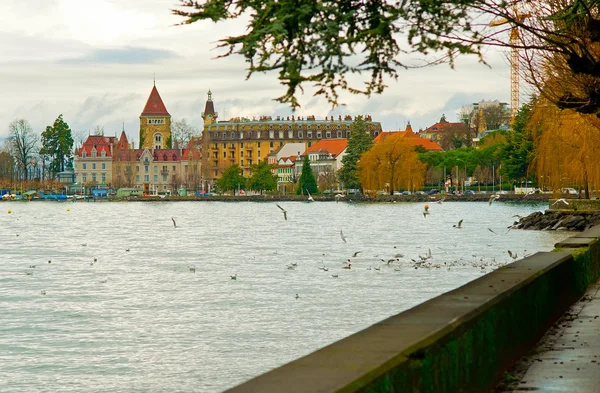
{"x":463,"y":182}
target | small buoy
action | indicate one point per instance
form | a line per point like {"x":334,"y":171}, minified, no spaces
{"x":68,"y":210}
{"x":426,"y":207}
{"x":10,"y":211}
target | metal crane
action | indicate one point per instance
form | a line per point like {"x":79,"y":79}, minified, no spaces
{"x":514,"y":61}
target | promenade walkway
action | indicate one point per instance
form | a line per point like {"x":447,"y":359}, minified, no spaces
{"x":568,"y":357}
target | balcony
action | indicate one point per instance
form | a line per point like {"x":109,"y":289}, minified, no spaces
{"x":164,"y":172}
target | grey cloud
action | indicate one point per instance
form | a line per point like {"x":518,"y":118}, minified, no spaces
{"x":128,"y":55}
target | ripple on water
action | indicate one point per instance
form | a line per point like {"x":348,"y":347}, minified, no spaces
{"x":141,"y":321}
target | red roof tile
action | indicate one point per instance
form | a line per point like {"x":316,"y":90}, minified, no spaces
{"x":331,"y":146}
{"x":154,"y":105}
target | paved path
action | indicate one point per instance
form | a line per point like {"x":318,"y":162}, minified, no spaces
{"x":568,"y":358}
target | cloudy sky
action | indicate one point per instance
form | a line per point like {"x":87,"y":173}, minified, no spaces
{"x":94,"y":62}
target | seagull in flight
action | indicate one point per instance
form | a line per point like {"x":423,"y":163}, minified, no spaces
{"x":356,"y":254}
{"x":491,"y":230}
{"x":441,"y":201}
{"x":459,"y":225}
{"x":338,"y":197}
{"x":563,"y":200}
{"x":513,"y":256}
{"x":283,"y":211}
{"x":310,"y":198}
{"x":342,"y":236}
{"x":174,"y":223}
{"x":493,"y":198}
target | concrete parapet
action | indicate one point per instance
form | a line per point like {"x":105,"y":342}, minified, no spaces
{"x":462,"y":340}
{"x":583,"y":205}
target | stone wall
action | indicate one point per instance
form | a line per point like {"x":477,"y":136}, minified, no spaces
{"x":461,"y":341}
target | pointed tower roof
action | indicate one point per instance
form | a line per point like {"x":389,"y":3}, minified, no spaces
{"x":154,"y":105}
{"x":123,"y":142}
{"x":409,"y":130}
{"x":209,"y":108}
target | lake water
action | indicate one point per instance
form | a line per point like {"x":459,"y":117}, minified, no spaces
{"x":143,"y":321}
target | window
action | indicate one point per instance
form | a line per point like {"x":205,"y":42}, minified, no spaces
{"x":103,"y":165}
{"x":84,"y":179}
{"x":84,"y":166}
{"x":84,"y":155}
{"x":147,"y":178}
{"x":242,"y":163}
{"x":259,"y":145}
{"x":156,"y":121}
{"x":164,"y":168}
{"x":174,"y":168}
{"x":103,"y":154}
{"x":155,"y":168}
{"x":224,"y":154}
{"x":319,"y":135}
{"x":93,"y":177}
{"x":94,"y":166}
{"x":271,"y":134}
{"x":137,"y":178}
{"x":309,"y":134}
{"x":155,"y":178}
{"x":145,"y":168}
{"x":339,"y":134}
{"x":164,"y":178}
{"x":242,"y":145}
{"x":145,"y":159}
{"x":104,"y":178}
{"x":242,"y":153}
{"x":280,"y":134}
{"x":137,"y":168}
{"x":93,"y":153}
{"x":300,"y":134}
{"x":328,"y":135}
{"x":271,"y":144}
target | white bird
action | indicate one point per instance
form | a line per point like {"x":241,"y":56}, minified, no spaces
{"x":342,"y":236}
{"x":338,"y":197}
{"x":513,"y":256}
{"x":43,"y":292}
{"x":563,"y":200}
{"x":493,"y":198}
{"x":174,"y":223}
{"x":441,"y":201}
{"x":459,"y":225}
{"x":283,"y":211}
{"x":310,"y":198}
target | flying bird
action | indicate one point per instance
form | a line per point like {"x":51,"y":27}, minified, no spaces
{"x":338,"y":197}
{"x":563,"y":200}
{"x":491,"y":230}
{"x":441,"y":201}
{"x":342,"y":236}
{"x":493,"y":198}
{"x":356,"y":254}
{"x":513,"y":256}
{"x":459,"y":225}
{"x":174,"y":223}
{"x":283,"y":211}
{"x":310,"y":198}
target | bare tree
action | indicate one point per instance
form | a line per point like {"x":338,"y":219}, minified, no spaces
{"x":182,"y":132}
{"x":23,"y":144}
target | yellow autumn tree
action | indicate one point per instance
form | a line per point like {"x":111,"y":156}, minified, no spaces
{"x":567,"y":147}
{"x":391,"y":165}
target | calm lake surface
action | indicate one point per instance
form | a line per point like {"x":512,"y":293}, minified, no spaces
{"x":142,"y":321}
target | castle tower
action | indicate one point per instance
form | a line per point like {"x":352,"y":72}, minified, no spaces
{"x":155,"y":123}
{"x":209,"y":115}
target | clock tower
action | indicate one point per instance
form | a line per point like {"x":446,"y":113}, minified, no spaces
{"x":209,"y":115}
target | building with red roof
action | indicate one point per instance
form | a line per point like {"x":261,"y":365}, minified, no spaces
{"x":155,"y":123}
{"x":413,"y":138}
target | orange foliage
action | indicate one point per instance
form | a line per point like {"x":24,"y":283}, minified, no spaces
{"x":391,"y":165}
{"x":567,"y":146}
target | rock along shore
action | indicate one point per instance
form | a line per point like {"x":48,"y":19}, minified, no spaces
{"x":559,"y":220}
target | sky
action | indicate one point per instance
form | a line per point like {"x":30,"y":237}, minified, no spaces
{"x":94,"y":62}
